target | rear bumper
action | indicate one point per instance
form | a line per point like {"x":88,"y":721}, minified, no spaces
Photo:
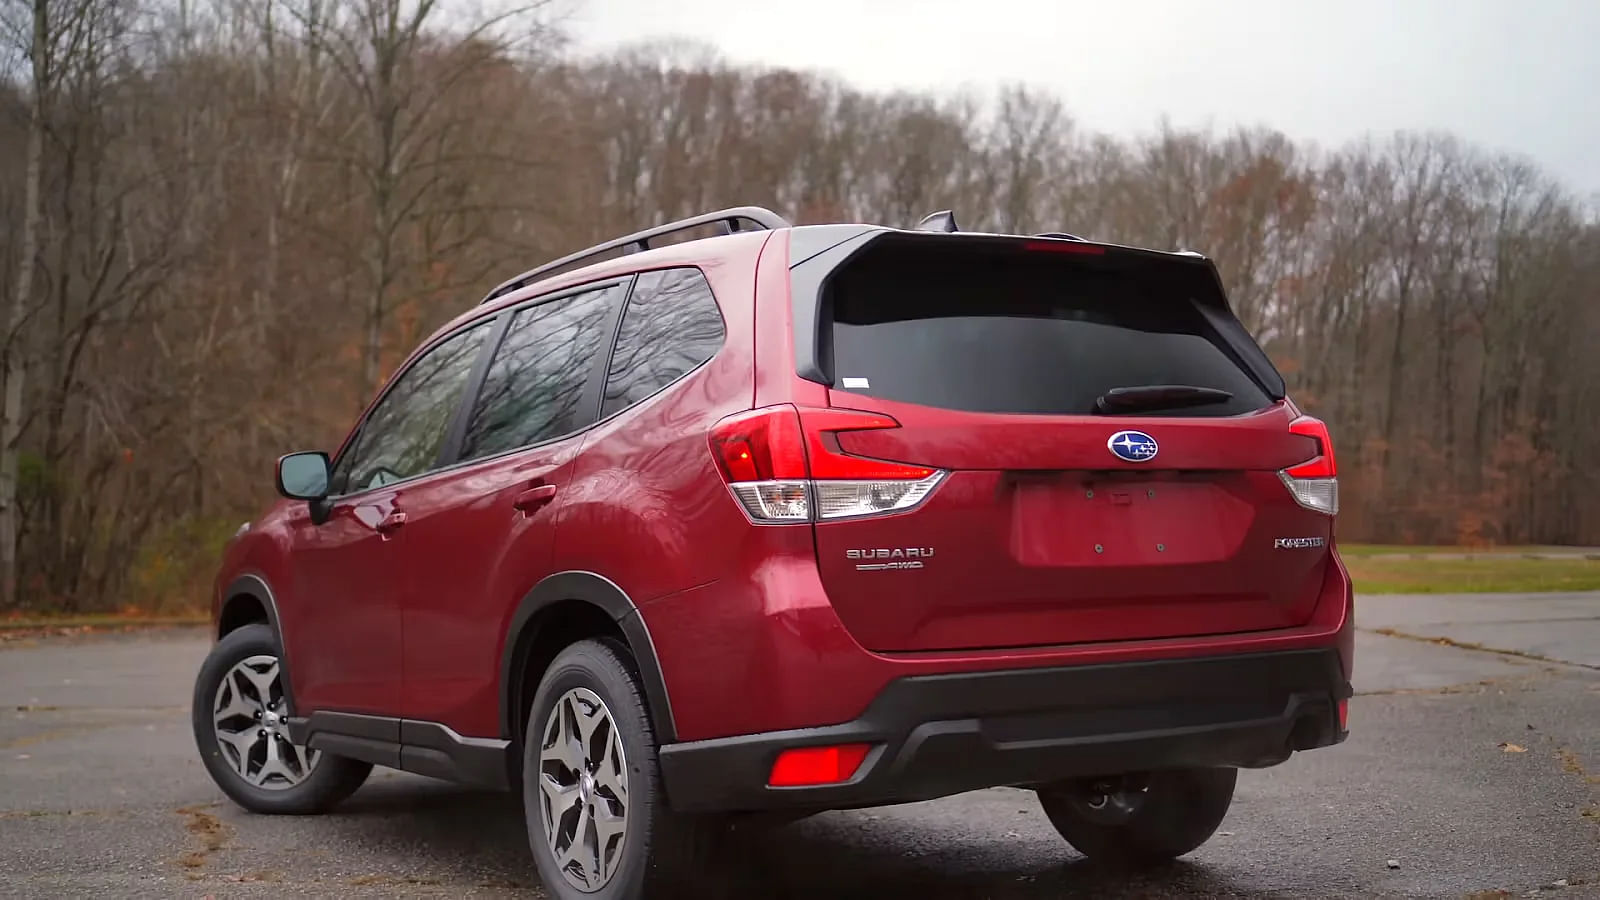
{"x":935,"y":735}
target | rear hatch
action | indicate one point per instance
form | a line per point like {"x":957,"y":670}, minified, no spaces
{"x":1113,"y":444}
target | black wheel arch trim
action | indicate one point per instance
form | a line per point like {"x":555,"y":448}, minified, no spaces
{"x":601,"y":592}
{"x":255,"y":587}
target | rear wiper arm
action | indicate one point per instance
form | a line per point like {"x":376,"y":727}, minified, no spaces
{"x":1157,"y":396}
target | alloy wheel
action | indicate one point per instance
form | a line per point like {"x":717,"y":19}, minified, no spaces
{"x":250,"y":716}
{"x":583,"y":789}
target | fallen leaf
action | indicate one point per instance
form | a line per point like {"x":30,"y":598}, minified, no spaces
{"x":1513,"y":748}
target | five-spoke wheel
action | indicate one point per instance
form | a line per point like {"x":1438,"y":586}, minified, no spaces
{"x":598,"y":822}
{"x":583,"y":789}
{"x":250,"y":716}
{"x":240,"y":715}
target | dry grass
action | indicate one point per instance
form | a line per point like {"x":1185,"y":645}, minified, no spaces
{"x":1508,"y":571}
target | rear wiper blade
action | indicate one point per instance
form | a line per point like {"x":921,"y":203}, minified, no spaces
{"x":1157,"y":396}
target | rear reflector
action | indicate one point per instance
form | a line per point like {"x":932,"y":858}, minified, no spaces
{"x":1314,"y":483}
{"x":810,"y":766}
{"x":1344,"y":715}
{"x":784,"y":465}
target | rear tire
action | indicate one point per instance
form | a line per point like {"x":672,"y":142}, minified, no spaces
{"x":238,"y":728}
{"x":588,"y":760}
{"x":1140,"y":819}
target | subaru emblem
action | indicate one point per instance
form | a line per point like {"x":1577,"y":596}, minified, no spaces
{"x":1132,"y":446}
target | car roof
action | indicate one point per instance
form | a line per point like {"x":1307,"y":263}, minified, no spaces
{"x":635,"y":254}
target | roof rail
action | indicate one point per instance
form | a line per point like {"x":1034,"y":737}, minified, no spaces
{"x":729,"y":219}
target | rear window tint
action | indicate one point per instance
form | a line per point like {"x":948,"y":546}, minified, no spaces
{"x":1020,"y":332}
{"x":671,"y":325}
{"x":534,"y":389}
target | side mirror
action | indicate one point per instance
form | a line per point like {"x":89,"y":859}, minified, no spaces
{"x":303,"y":476}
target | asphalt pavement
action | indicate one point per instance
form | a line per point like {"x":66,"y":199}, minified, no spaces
{"x":1473,"y":769}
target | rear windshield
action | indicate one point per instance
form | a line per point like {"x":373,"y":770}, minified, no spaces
{"x":1025,"y":332}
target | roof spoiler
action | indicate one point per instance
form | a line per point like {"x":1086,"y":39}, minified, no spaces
{"x":945,"y":221}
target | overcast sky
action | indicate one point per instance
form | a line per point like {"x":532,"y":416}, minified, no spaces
{"x":1517,"y":75}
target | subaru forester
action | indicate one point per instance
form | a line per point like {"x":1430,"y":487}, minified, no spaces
{"x":797,"y":518}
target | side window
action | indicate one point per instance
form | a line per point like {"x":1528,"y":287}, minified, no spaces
{"x":405,"y":432}
{"x":671,"y":325}
{"x":535,"y":386}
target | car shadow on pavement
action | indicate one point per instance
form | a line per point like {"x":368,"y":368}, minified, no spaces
{"x":479,"y":838}
{"x":908,"y":859}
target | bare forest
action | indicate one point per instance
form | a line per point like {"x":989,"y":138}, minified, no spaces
{"x":223,"y":222}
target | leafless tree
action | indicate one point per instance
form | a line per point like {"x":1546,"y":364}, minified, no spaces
{"x":231,"y":218}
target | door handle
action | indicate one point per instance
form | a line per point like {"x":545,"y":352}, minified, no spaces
{"x":391,"y":523}
{"x":533,"y":499}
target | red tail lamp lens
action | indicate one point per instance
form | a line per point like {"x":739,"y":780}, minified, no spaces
{"x":821,"y":427}
{"x":1321,"y":465}
{"x":810,"y":766}
{"x":760,"y":445}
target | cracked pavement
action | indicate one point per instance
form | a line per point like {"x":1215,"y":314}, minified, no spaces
{"x":1477,"y":771}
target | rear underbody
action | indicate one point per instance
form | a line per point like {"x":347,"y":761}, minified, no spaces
{"x":935,"y":735}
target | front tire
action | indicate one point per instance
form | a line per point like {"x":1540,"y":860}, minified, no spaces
{"x":1140,"y":819}
{"x":598,"y":821}
{"x":238,"y":714}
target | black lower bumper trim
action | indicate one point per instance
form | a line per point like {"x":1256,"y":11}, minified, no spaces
{"x":945,"y":734}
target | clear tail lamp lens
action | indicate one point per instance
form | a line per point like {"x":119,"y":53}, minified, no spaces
{"x":847,"y":499}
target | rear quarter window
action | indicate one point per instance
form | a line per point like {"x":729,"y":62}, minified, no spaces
{"x":671,"y":325}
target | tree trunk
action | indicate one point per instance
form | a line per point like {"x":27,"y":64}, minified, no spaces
{"x":11,"y":412}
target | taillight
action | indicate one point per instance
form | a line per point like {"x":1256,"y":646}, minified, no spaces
{"x":784,"y":465}
{"x":762,"y":456}
{"x":1314,"y":483}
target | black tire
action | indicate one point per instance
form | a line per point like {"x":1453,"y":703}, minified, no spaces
{"x":1180,"y":811}
{"x":660,"y":850}
{"x":332,"y":779}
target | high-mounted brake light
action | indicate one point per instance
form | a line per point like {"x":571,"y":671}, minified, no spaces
{"x":1314,"y":483}
{"x":810,"y":766}
{"x":784,"y":465}
{"x":1062,"y":246}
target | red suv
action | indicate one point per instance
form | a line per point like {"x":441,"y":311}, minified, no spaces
{"x":800,"y":518}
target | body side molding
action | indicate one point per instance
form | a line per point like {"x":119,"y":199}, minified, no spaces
{"x":424,"y":748}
